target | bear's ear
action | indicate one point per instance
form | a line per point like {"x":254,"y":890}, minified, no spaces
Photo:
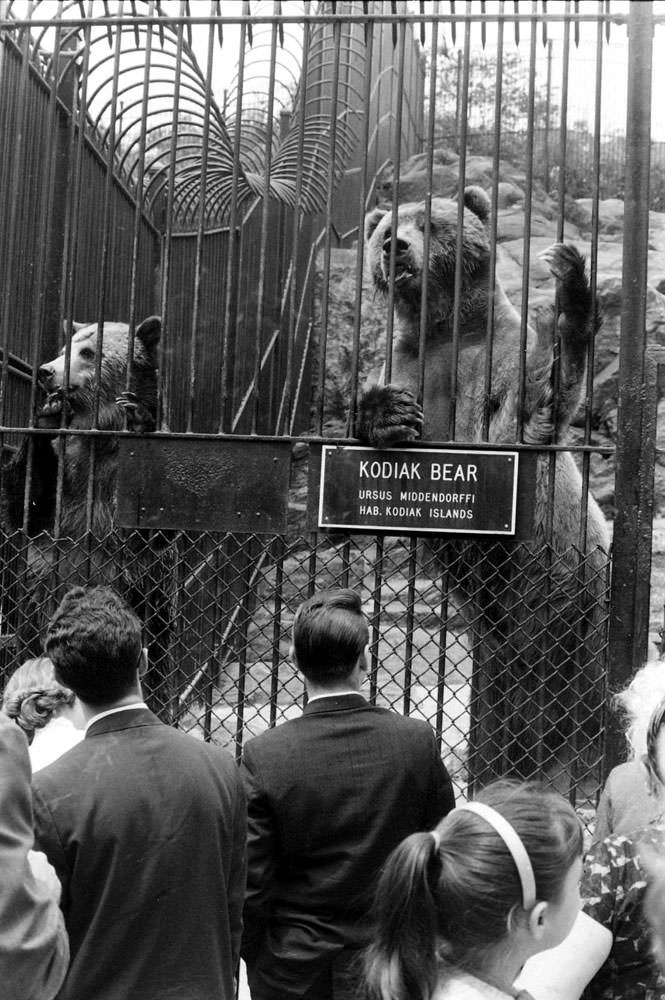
{"x":372,"y":219}
{"x":149,"y":331}
{"x":75,"y":326}
{"x":476,"y":201}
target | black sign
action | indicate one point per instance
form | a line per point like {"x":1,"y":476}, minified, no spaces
{"x":203,"y":484}
{"x":422,"y":490}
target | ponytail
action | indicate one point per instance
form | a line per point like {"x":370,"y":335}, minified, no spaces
{"x":444,"y":898}
{"x":401,"y":962}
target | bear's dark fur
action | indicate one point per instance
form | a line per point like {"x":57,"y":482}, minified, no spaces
{"x":75,"y":540}
{"x":535,"y":611}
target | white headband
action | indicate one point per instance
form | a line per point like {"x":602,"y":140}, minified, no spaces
{"x":512,"y":841}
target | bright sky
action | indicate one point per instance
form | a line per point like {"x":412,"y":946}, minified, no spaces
{"x":581,"y":66}
{"x":582,"y":59}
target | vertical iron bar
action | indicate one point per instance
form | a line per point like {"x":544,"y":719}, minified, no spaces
{"x":410,"y":618}
{"x":375,"y":621}
{"x":200,"y":229}
{"x":528,"y":196}
{"x":494,"y":220}
{"x":13,"y":233}
{"x":362,"y":208}
{"x":320,"y":394}
{"x":629,"y":622}
{"x":277,"y":627}
{"x":459,"y":256}
{"x":231,"y":321}
{"x":265,"y":216}
{"x":548,"y":105}
{"x":427,"y":231}
{"x":397,"y":159}
{"x":287,"y":405}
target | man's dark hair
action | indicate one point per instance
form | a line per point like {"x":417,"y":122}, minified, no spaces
{"x":329,"y":634}
{"x":94,"y":640}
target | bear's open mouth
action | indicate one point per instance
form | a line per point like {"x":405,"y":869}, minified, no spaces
{"x":403,"y":272}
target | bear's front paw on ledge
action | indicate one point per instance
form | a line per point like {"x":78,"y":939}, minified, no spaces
{"x":139,"y":418}
{"x":389,"y":415}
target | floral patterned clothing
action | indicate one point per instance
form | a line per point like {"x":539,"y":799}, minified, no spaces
{"x":612,"y":892}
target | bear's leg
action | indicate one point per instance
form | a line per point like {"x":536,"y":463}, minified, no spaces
{"x":43,"y":480}
{"x":548,"y":408}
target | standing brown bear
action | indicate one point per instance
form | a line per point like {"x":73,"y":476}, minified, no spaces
{"x":535,"y":611}
{"x":88,"y":390}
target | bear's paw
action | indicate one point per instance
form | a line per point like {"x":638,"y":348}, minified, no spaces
{"x":388,"y":415}
{"x":51,"y":412}
{"x":568,"y":267}
{"x":139,"y":418}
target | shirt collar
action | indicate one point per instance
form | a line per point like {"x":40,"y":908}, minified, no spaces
{"x":113,"y":711}
{"x":333,"y":694}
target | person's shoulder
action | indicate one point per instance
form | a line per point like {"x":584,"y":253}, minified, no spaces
{"x":270,"y":739}
{"x":403,"y":723}
{"x":65,"y":771}
{"x":626,"y":773}
{"x":188,"y":743}
{"x":12,"y":737}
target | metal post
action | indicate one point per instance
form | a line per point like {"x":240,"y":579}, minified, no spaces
{"x":629,"y":609}
{"x":548,"y":107}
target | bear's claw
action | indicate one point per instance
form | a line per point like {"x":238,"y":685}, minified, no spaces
{"x":564,"y":261}
{"x":389,"y":415}
{"x":138,"y":416}
{"x":569,"y":269}
{"x":56,"y":403}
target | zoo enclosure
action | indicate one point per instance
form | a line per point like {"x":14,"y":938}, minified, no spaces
{"x":133,"y":182}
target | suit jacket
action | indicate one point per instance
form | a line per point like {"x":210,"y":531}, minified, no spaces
{"x":330,"y":794}
{"x":33,"y":942}
{"x":146,"y":828}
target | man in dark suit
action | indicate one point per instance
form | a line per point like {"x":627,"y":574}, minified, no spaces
{"x":330,"y":794}
{"x":33,"y":942}
{"x":145,"y":826}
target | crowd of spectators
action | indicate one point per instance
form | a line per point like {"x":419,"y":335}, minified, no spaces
{"x":140,"y":863}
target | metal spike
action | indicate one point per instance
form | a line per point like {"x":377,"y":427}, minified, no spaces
{"x":137,"y":33}
{"x":544,"y":24}
{"x":577,"y":26}
{"x":280,"y":24}
{"x":366,"y":24}
{"x":247,"y":13}
{"x":422,"y":23}
{"x":393,"y":9}
{"x":109,"y":29}
{"x":453,"y":26}
{"x":160,"y":26}
{"x":218,"y":10}
{"x":188,"y":13}
{"x":483,"y":26}
{"x":607,"y":20}
{"x":517,"y":23}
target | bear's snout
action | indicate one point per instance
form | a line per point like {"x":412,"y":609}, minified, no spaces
{"x":45,"y":376}
{"x":405,"y":264}
{"x":402,"y":248}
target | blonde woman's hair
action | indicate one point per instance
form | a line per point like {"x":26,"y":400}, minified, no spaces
{"x":636,"y":702}
{"x":33,"y":695}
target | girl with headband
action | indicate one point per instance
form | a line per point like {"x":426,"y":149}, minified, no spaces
{"x":459,"y":910}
